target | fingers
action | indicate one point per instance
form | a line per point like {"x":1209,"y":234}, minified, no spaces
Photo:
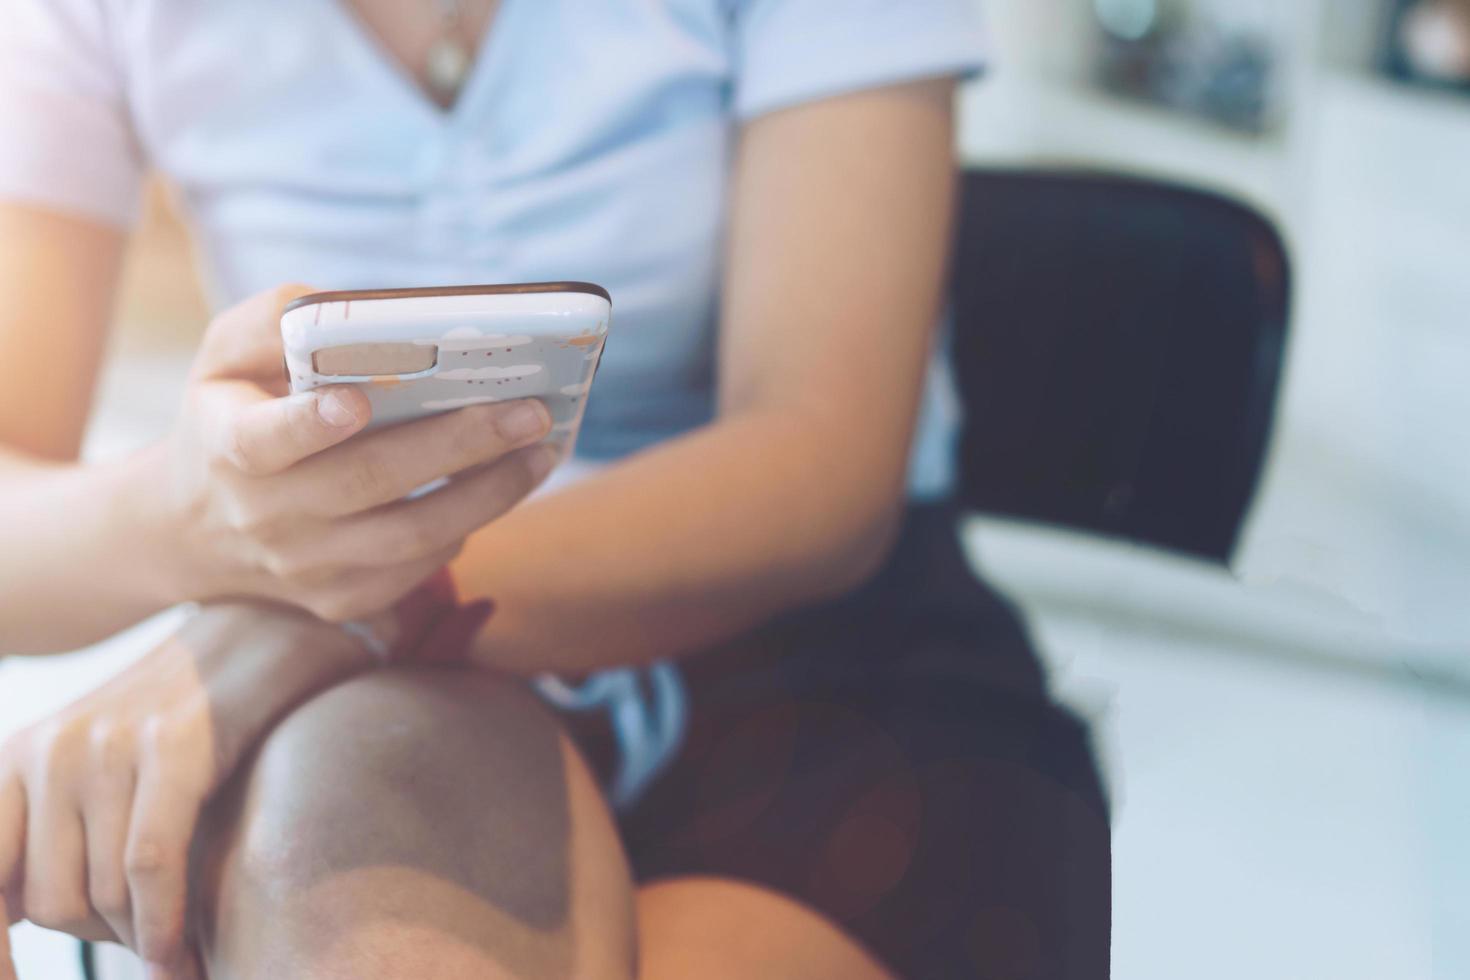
{"x":42,"y":828}
{"x":7,"y":961}
{"x":414,"y":529}
{"x":164,"y":815}
{"x":384,"y":467}
{"x":366,"y":564}
{"x":105,"y":824}
{"x":245,"y":340}
{"x":12,"y":827}
{"x":262,"y":436}
{"x":55,"y":861}
{"x":12,"y":837}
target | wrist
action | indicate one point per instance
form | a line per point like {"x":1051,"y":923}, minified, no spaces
{"x":259,"y":661}
{"x":274,"y":635}
{"x":430,"y":624}
{"x":152,"y":518}
{"x":117,"y":525}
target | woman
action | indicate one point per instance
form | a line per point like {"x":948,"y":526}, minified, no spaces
{"x":872,"y":782}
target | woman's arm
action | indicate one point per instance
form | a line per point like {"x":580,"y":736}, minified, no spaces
{"x":839,"y":235}
{"x":250,"y":495}
{"x":58,"y":275}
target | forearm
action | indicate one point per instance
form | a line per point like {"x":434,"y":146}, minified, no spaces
{"x":258,"y":661}
{"x":681,"y":546}
{"x":85,"y":550}
{"x":839,"y":229}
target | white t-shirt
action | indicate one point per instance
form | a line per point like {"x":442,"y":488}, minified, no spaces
{"x":592,"y":141}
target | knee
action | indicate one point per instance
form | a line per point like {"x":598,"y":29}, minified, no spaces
{"x":458,"y":775}
{"x":416,"y":803}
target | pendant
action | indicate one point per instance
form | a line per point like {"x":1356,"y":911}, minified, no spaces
{"x":447,"y":67}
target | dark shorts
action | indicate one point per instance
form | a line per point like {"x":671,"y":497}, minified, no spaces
{"x":893,"y":761}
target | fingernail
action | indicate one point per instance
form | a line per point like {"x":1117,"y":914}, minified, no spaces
{"x":332,"y":406}
{"x":526,"y":420}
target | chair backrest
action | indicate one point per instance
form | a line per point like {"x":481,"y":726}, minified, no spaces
{"x":1117,"y":345}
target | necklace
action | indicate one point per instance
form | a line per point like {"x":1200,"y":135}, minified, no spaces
{"x":449,"y":61}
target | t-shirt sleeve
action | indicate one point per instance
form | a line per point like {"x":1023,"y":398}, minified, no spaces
{"x":791,"y":51}
{"x":66,"y":139}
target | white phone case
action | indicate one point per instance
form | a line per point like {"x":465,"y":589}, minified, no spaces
{"x":467,"y":345}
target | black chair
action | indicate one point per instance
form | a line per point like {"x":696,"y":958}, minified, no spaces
{"x":1118,"y":345}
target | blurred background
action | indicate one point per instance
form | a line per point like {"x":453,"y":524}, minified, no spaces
{"x":1288,"y":739}
{"x":1286,"y":736}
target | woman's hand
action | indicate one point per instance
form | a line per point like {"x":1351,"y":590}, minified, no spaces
{"x":97,"y":807}
{"x":98,"y":804}
{"x":274,"y":501}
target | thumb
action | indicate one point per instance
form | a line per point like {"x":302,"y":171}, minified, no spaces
{"x":245,"y":340}
{"x":452,"y":639}
{"x":418,"y":613}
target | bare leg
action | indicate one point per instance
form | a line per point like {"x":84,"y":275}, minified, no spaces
{"x":432,"y":823}
{"x":717,"y":929}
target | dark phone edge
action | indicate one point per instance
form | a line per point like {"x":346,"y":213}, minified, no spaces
{"x":356,"y":295}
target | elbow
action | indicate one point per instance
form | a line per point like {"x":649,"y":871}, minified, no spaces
{"x":859,"y":552}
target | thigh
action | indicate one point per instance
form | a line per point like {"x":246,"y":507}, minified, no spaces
{"x":892,"y":761}
{"x":721,"y":929}
{"x":416,"y":823}
{"x":954,"y":832}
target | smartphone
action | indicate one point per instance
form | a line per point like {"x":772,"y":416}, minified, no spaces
{"x":417,"y":352}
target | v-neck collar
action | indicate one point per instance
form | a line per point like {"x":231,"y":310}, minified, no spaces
{"x":407,"y":85}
